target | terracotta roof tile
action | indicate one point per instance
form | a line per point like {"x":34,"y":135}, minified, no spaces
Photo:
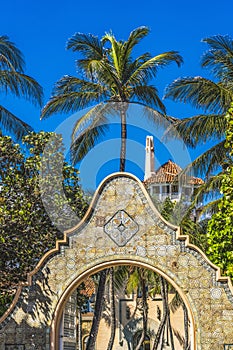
{"x":168,"y":173}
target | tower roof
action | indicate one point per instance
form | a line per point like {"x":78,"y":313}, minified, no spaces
{"x":168,"y":173}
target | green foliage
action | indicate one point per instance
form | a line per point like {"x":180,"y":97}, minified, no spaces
{"x":181,"y":214}
{"x":6,"y":298}
{"x":220,"y":228}
{"x":168,"y":207}
{"x":195,"y":230}
{"x":27,"y":230}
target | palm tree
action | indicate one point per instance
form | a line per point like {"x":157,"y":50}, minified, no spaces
{"x":214,"y":98}
{"x":137,"y":282}
{"x":111,"y":78}
{"x":143,"y":281}
{"x":112,"y":308}
{"x":165,"y":321}
{"x":98,"y":310}
{"x":14,"y":81}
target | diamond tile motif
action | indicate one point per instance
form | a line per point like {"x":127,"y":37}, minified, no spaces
{"x":121,"y":228}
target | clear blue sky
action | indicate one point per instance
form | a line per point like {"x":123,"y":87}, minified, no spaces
{"x":41,"y":28}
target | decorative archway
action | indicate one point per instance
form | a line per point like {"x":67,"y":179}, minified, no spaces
{"x":121,"y":226}
{"x":140,"y":262}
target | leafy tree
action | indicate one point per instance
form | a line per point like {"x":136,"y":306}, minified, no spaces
{"x":214,"y":98}
{"x":111,"y":78}
{"x":13,"y":80}
{"x":27,"y":231}
{"x":197,"y":231}
{"x":167,"y":209}
{"x":220,"y":227}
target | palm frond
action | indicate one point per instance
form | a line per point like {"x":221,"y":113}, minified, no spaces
{"x":168,"y":57}
{"x":134,"y":38}
{"x":20,"y":84}
{"x":90,"y":68}
{"x":159,"y":119}
{"x":121,"y":274}
{"x":73,"y":84}
{"x":5,"y":63}
{"x":209,"y":191}
{"x":97,"y":115}
{"x":91,"y":50}
{"x":115,"y":51}
{"x":210,"y":208}
{"x":109,"y":76}
{"x":88,"y":45}
{"x":198,"y":128}
{"x":201,"y":93}
{"x":13,"y":124}
{"x":210,"y":161}
{"x":11,"y":53}
{"x":175,"y":303}
{"x":223,"y":43}
{"x":86,"y":141}
{"x":148,"y":94}
{"x":88,"y":130}
{"x":70,"y":102}
{"x":133,"y":281}
{"x":148,"y":69}
{"x":132,"y":65}
{"x":220,"y":64}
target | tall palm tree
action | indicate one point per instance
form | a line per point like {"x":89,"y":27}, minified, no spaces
{"x":14,"y":81}
{"x":112,"y":308}
{"x":214,"y":98}
{"x":137,"y":282}
{"x":111,"y":78}
{"x":165,"y":321}
{"x":97,"y":311}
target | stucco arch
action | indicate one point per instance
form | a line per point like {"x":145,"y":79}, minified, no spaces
{"x":121,"y":225}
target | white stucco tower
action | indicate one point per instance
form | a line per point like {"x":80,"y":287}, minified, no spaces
{"x":149,"y":158}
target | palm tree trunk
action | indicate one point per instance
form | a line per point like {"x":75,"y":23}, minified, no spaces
{"x":162,"y":325}
{"x":123,"y":110}
{"x":112,"y":309}
{"x":169,"y":327}
{"x":79,"y":328}
{"x":98,"y":311}
{"x":186,"y":329}
{"x":162,"y":339}
{"x":144,"y":311}
{"x":170,"y":330}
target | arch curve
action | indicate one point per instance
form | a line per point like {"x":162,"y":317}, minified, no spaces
{"x":101,"y":266}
